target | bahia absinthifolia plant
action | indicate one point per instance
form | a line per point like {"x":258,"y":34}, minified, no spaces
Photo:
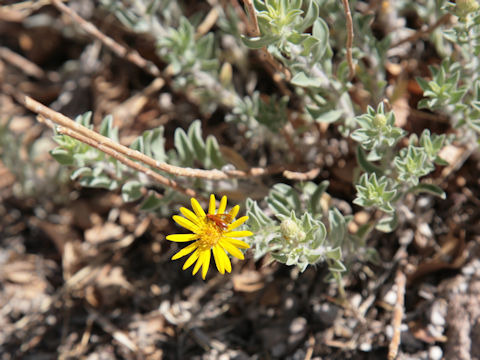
{"x":303,"y":45}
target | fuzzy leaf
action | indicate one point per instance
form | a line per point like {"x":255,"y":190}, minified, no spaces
{"x":430,"y":189}
{"x":131,"y":191}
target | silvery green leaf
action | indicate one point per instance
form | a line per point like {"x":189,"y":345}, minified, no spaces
{"x":338,"y":227}
{"x":64,"y":157}
{"x":302,"y":80}
{"x":336,"y":266}
{"x":100,"y":181}
{"x":277,"y":206}
{"x":195,"y":136}
{"x":213,"y":152}
{"x":184,"y":147}
{"x":82,"y":171}
{"x":157,"y":144}
{"x":329,"y":116}
{"x":309,"y":18}
{"x":430,"y":189}
{"x":319,"y":235}
{"x":138,"y":144}
{"x":151,"y":203}
{"x":314,"y":201}
{"x":302,"y":266}
{"x":85,"y":119}
{"x":131,"y":191}
{"x":65,"y":141}
{"x":320,"y":31}
{"x":106,"y":128}
{"x":280,"y":257}
{"x":259,"y":41}
{"x":205,"y":46}
{"x":388,"y":223}
{"x":286,"y":195}
{"x":334,"y":254}
{"x":422,"y":82}
{"x":364,"y":163}
{"x":254,"y":212}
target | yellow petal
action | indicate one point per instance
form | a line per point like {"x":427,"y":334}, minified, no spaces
{"x":187,"y":224}
{"x":237,"y":222}
{"x":211,"y":204}
{"x":199,"y":263}
{"x":231,"y":249}
{"x":227,"y":263}
{"x":237,"y":243}
{"x":223,"y":259}
{"x":218,"y":259}
{"x":223,"y":205}
{"x":185,"y":251}
{"x":197,"y":208}
{"x":206,"y":264}
{"x":234,"y":211}
{"x":182,"y":237}
{"x":191,"y":260}
{"x":190,"y":216}
{"x":238,"y":233}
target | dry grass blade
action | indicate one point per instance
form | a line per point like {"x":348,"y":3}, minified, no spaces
{"x":400,"y":281}
{"x":123,"y":52}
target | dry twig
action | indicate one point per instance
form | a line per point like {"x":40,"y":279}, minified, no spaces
{"x":207,"y":23}
{"x":123,"y":52}
{"x":348,"y":17}
{"x":105,"y":142}
{"x":400,"y":281}
{"x":253,"y":29}
{"x":121,"y":336}
{"x":421,"y":33}
{"x":124,"y":160}
{"x":27,"y":66}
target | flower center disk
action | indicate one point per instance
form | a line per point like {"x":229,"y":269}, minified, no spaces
{"x":210,"y":235}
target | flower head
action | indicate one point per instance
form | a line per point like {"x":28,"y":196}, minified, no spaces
{"x":211,"y":231}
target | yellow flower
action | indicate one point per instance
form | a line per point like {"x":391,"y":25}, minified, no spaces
{"x":212,"y":231}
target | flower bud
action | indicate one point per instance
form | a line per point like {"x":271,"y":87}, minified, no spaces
{"x":291,"y":231}
{"x":379,"y":121}
{"x":289,"y":228}
{"x":465,"y":7}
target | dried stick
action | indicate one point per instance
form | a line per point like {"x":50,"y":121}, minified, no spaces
{"x":253,"y":28}
{"x":123,"y":52}
{"x":130,"y":163}
{"x":400,"y":281}
{"x":302,"y":176}
{"x":27,"y":66}
{"x":348,"y":17}
{"x":421,"y":33}
{"x":207,"y":23}
{"x":68,"y":123}
{"x":120,"y":335}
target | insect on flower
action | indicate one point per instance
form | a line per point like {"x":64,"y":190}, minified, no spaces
{"x":213,"y":233}
{"x":221,"y":220}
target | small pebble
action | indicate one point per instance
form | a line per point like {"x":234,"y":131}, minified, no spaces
{"x":438,"y":312}
{"x":298,"y":325}
{"x":365,"y":347}
{"x":390,"y":297}
{"x":435,"y":353}
{"x":356,"y":300}
{"x":425,"y":230}
{"x":424,"y":202}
